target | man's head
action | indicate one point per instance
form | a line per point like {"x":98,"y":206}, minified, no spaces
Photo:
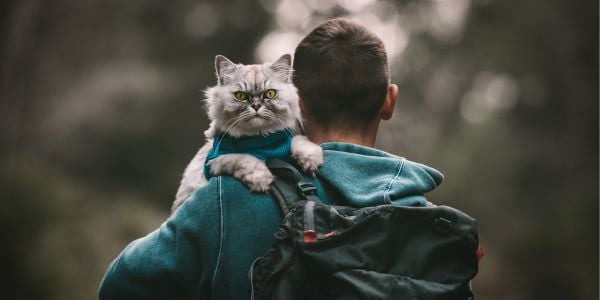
{"x":342,"y":75}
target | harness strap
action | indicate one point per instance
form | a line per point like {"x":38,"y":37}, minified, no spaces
{"x":289,"y":185}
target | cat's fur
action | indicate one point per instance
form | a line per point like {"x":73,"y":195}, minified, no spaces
{"x":257,"y":116}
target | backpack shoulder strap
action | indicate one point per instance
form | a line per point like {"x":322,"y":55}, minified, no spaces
{"x":289,"y":185}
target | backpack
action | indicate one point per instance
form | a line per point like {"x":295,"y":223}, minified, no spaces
{"x":383,"y":252}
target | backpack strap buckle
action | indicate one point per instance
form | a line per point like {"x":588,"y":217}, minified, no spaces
{"x":306,"y":188}
{"x":289,"y":185}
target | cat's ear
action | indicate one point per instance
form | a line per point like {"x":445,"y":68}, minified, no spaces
{"x":223,"y":67}
{"x":283,"y":67}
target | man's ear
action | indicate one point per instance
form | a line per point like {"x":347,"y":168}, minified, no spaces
{"x":387,"y":110}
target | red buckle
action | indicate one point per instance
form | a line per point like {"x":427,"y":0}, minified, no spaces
{"x":310,"y":236}
{"x":329,"y":234}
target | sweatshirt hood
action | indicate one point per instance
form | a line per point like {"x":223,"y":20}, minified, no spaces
{"x":365,"y":176}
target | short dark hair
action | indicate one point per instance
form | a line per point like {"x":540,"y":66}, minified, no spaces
{"x":342,"y":74}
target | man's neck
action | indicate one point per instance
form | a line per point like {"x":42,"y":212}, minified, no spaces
{"x":319,"y":137}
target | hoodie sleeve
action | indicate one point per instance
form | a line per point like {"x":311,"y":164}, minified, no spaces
{"x":412,"y":182}
{"x":173,"y":261}
{"x":145,"y":269}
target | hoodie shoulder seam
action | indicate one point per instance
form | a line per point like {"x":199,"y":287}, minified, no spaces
{"x":386,"y":193}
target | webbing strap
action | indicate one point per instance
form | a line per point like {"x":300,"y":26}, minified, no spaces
{"x":278,"y":189}
{"x":278,"y":164}
{"x":289,"y":185}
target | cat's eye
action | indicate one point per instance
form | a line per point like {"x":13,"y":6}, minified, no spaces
{"x":240,"y":96}
{"x":270,"y":94}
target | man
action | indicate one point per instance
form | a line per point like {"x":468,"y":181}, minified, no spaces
{"x":206,"y":248}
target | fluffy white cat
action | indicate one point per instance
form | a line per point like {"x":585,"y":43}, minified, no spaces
{"x":249,"y":103}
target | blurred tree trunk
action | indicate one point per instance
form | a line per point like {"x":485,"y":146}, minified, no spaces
{"x":16,"y":62}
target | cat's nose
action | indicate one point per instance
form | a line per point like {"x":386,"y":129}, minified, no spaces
{"x":256,"y":106}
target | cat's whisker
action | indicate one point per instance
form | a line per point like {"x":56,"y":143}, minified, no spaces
{"x":281,"y":122}
{"x":233,"y":120}
{"x":237,"y":121}
{"x":241,"y":117}
{"x":272,"y":117}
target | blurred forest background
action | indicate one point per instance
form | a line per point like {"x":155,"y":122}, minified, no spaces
{"x":100,"y":111}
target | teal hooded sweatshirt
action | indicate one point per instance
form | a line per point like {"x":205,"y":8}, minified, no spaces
{"x":205,"y":249}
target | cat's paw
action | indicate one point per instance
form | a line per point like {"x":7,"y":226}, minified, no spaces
{"x":250,"y":170}
{"x":308,"y":155}
{"x":258,"y":180}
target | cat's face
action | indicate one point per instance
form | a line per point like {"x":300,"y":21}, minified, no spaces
{"x":252,"y":99}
